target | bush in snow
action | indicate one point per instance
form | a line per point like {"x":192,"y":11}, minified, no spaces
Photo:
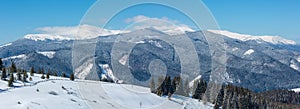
{"x":53,"y":93}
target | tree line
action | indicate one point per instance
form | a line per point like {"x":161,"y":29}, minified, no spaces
{"x":8,"y":74}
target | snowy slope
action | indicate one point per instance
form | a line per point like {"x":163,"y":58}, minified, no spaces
{"x":244,"y":37}
{"x":21,"y":56}
{"x":61,"y":93}
{"x":8,"y":44}
{"x":296,"y":90}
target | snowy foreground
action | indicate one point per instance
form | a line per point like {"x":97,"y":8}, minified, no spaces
{"x":61,"y":93}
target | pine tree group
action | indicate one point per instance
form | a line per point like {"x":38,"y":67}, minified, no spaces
{"x":200,"y":89}
{"x":168,"y":86}
{"x":21,"y":74}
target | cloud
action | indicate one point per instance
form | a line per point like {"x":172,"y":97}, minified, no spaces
{"x":163,"y":24}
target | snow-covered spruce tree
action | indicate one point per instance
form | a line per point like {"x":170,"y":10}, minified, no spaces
{"x":32,"y":71}
{"x":13,"y":67}
{"x":160,"y":81}
{"x":11,"y":80}
{"x":55,"y":73}
{"x":4,"y":75}
{"x":152,"y":85}
{"x":24,"y":79}
{"x":43,"y":76}
{"x":48,"y":75}
{"x":181,"y":88}
{"x":39,"y":71}
{"x":1,"y":64}
{"x":19,"y":76}
{"x":174,"y":86}
{"x":43,"y":71}
{"x":220,"y":97}
{"x":193,"y":88}
{"x":63,"y":75}
{"x":25,"y":73}
{"x":167,"y":85}
{"x":187,"y":87}
{"x":72,"y":77}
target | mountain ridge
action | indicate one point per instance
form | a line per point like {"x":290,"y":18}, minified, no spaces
{"x":247,"y":61}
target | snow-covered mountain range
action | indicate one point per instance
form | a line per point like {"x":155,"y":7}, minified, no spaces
{"x":255,"y":62}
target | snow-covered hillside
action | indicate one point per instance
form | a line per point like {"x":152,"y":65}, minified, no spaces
{"x":8,"y":44}
{"x":61,"y":93}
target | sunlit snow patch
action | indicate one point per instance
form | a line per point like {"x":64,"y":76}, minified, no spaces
{"x":235,"y":49}
{"x":123,"y":60}
{"x":157,"y":44}
{"x":294,"y":66}
{"x":22,"y":56}
{"x":196,"y":79}
{"x":249,"y":52}
{"x":5,"y":45}
{"x":49,"y":54}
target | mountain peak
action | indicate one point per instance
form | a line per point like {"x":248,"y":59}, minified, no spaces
{"x":43,"y":37}
{"x":245,"y":37}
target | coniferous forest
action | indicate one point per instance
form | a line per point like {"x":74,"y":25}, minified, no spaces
{"x":230,"y":96}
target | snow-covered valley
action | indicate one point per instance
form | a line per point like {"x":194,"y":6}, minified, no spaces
{"x":62,"y":93}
